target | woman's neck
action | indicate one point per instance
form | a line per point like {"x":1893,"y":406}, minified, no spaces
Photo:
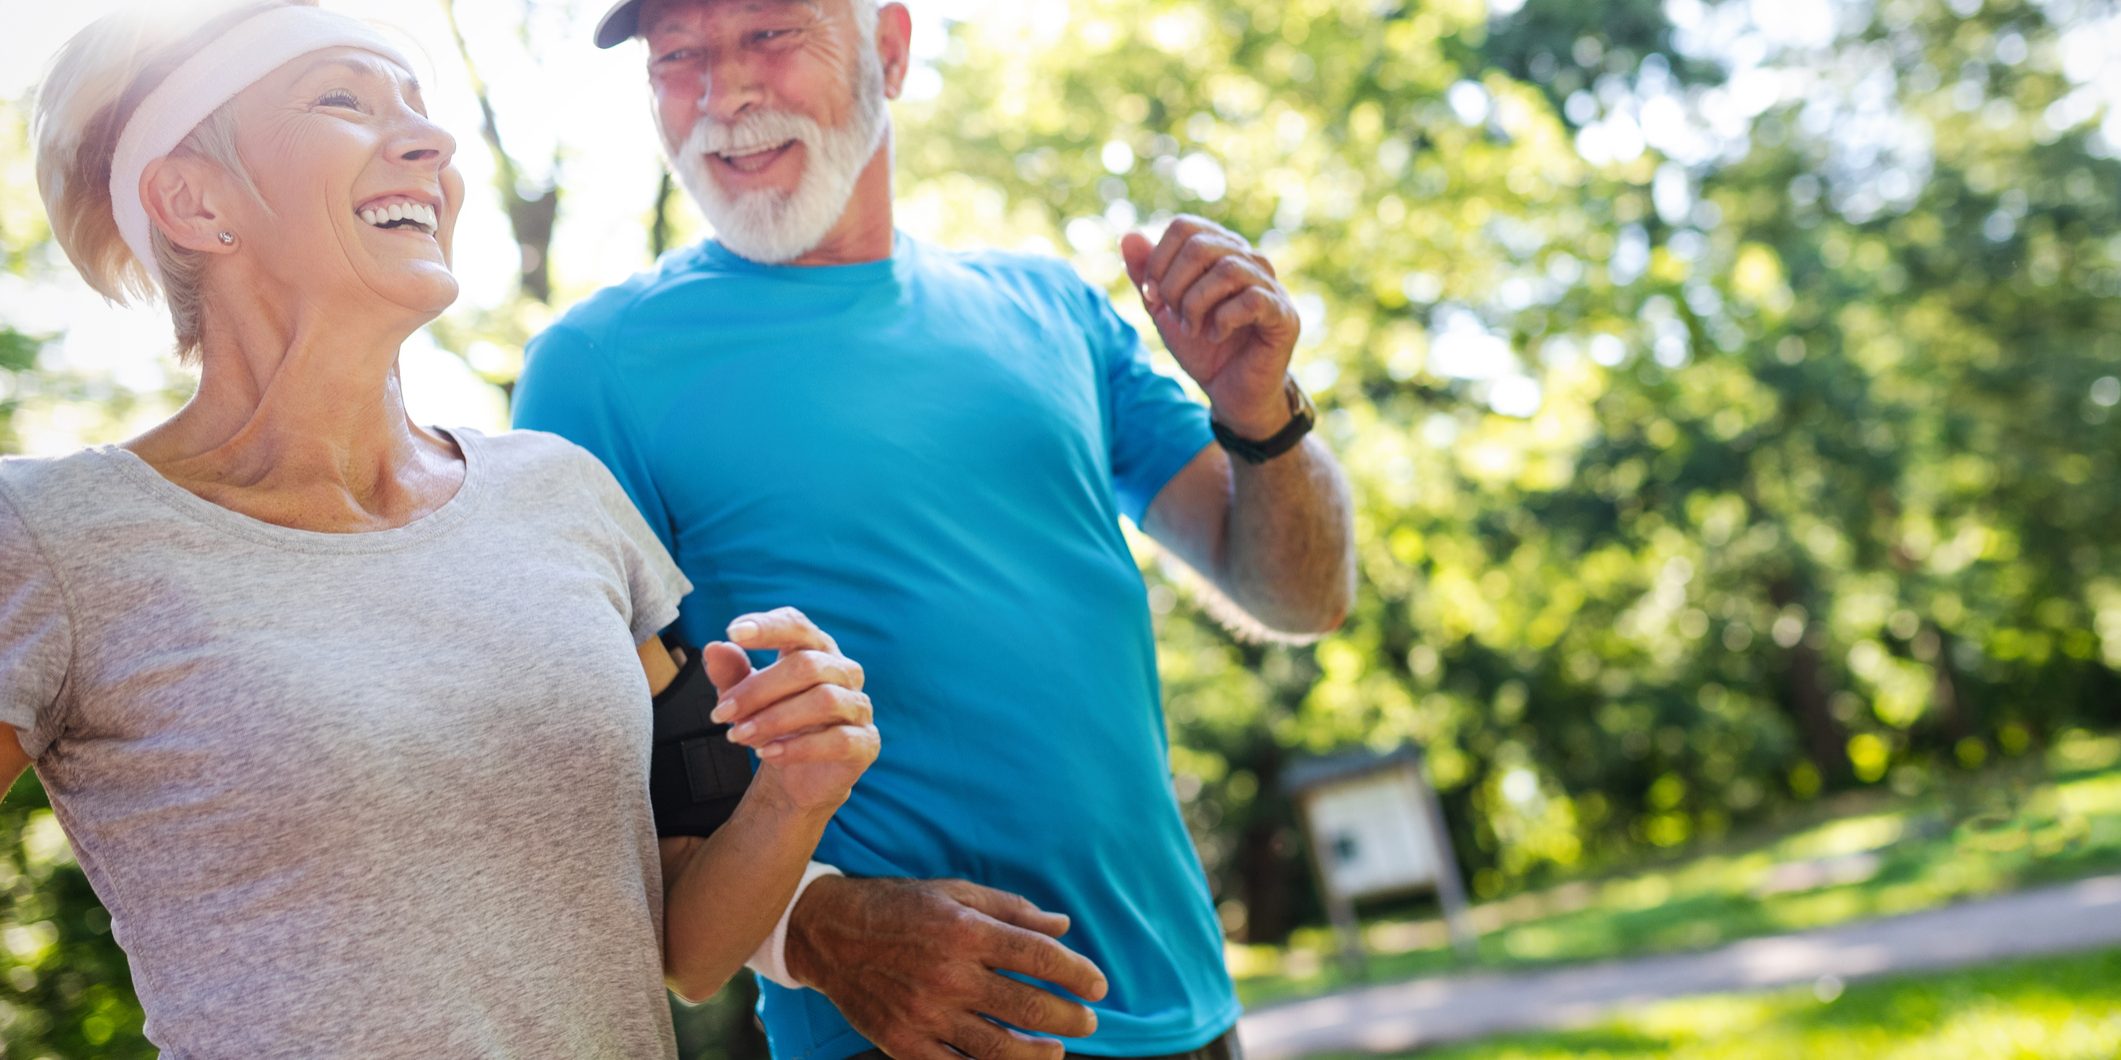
{"x":304,"y":426}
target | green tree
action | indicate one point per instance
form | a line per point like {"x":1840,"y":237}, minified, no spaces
{"x":1730,"y":406}
{"x":1693,"y":477}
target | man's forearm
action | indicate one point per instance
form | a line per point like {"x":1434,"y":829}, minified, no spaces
{"x":1289,"y":547}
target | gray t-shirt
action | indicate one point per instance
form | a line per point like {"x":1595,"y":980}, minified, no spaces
{"x":364,"y":795}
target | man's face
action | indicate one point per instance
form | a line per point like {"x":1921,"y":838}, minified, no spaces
{"x":769,"y":110}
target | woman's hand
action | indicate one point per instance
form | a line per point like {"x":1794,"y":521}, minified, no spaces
{"x":808,"y":720}
{"x":805,"y":715}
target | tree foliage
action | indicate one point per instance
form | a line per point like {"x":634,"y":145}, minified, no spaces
{"x":1730,"y":403}
{"x":1696,"y":475}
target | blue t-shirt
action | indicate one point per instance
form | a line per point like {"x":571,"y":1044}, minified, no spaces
{"x":929,"y":455}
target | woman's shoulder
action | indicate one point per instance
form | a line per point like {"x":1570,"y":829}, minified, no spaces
{"x":27,"y":474}
{"x":539,"y":460}
{"x":50,"y":487}
{"x":63,"y":511}
{"x":521,"y":450}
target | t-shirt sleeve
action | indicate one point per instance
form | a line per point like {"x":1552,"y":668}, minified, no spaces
{"x":654,"y":583}
{"x":1152,"y":426}
{"x":568,"y":388}
{"x":36,"y":632}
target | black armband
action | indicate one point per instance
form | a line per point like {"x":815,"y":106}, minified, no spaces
{"x":696,"y":776}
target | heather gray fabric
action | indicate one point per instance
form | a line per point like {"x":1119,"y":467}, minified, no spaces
{"x":362,"y":795}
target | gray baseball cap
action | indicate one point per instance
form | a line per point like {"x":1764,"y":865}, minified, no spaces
{"x":619,"y":24}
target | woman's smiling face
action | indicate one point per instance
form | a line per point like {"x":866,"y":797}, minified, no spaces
{"x":358,"y":196}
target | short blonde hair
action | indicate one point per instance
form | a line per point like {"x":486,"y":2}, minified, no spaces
{"x":89,"y":92}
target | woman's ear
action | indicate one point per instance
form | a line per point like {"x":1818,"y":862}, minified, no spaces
{"x":181,"y":195}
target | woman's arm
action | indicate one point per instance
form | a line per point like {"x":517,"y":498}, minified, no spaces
{"x":722,"y":895}
{"x":812,"y":727}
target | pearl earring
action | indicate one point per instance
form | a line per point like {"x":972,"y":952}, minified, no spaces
{"x":228,"y":239}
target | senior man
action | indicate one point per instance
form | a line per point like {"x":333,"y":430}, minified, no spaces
{"x":929,"y":453}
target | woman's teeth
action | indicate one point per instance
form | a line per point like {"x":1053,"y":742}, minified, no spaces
{"x":398,"y":214}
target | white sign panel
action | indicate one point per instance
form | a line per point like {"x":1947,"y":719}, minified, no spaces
{"x":1372,"y":834}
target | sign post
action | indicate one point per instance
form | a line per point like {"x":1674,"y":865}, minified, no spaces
{"x":1376,"y":829}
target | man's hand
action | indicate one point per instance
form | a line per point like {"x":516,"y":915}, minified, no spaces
{"x":1224,"y":316}
{"x":913,"y":965}
{"x":805,"y":715}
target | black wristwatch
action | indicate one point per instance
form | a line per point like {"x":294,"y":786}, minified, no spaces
{"x":1301,"y":418}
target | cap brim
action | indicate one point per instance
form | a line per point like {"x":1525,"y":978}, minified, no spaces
{"x":619,"y":24}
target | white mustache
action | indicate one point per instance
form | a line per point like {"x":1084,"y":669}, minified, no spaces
{"x":758,"y":129}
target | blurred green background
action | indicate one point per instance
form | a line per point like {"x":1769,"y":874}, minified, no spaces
{"x":1729,"y":391}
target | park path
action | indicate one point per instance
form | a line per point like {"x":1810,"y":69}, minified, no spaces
{"x":1401,"y":1016}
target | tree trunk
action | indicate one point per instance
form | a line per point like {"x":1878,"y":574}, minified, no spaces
{"x":531,"y":216}
{"x":1263,"y":865}
{"x":659,"y":228}
{"x":1807,"y":698}
{"x":1954,"y":714}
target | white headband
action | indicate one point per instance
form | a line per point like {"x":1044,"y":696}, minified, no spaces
{"x":227,"y":65}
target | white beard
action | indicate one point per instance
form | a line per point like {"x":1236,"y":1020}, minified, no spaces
{"x":771,"y":226}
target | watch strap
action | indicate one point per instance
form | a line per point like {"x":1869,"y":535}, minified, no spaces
{"x":1302,"y":417}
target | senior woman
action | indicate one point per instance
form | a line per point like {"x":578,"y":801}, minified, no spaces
{"x":347,"y":719}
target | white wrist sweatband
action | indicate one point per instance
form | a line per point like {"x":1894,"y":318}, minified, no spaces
{"x":213,"y":75}
{"x":771,"y":958}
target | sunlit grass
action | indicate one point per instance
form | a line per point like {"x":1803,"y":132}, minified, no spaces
{"x":1870,"y":855}
{"x":2054,"y":1009}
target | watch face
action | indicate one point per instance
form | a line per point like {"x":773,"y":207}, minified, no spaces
{"x":1300,"y":403}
